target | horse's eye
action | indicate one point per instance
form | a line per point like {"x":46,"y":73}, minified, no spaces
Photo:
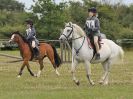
{"x":68,"y":30}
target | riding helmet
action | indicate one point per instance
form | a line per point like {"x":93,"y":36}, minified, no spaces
{"x":28,"y":21}
{"x":93,"y":9}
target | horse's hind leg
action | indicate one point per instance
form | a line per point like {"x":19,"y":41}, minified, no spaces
{"x":51,"y":58}
{"x":41,"y":67}
{"x":73,"y":70}
{"x":106,"y":67}
{"x":88,"y":71}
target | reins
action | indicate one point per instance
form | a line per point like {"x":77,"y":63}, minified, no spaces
{"x":77,"y":50}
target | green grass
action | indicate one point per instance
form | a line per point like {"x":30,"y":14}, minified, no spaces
{"x":49,"y":86}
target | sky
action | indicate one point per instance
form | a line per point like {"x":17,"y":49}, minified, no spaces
{"x":28,"y":3}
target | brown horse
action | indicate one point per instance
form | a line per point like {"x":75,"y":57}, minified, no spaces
{"x":46,"y":50}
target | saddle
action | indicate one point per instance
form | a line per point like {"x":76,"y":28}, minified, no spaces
{"x":34,"y":51}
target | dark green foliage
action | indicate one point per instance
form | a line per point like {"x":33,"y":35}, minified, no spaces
{"x":51,"y":20}
{"x":116,"y":20}
{"x":11,"y":5}
{"x":12,"y":16}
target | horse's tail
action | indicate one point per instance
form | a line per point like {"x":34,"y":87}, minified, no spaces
{"x":56,"y":57}
{"x":121,"y":53}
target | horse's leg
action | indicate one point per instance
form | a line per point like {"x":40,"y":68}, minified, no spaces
{"x":51,"y":58}
{"x":73,"y":70}
{"x":41,"y":67}
{"x":21,"y":70}
{"x":28,"y":67}
{"x":106,"y":80}
{"x":88,"y":71}
{"x":106,"y":67}
{"x":56,"y":71}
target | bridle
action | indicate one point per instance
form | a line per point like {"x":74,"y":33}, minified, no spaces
{"x":69,"y":33}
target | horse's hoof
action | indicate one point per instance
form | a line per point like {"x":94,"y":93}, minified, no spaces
{"x":38,"y":76}
{"x":18,"y":76}
{"x":100,"y":82}
{"x":92,"y":83}
{"x":105,"y":83}
{"x":58,"y":74}
{"x":77,"y":83}
{"x":35,"y":75}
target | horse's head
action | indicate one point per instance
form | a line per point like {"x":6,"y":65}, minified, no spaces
{"x":67,"y":32}
{"x":72,"y":31}
{"x":14,"y":37}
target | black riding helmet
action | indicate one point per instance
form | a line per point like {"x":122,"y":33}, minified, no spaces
{"x":93,"y":9}
{"x":29,"y":22}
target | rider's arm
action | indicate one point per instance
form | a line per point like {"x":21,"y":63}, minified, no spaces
{"x":31,"y":34}
{"x":97,"y":25}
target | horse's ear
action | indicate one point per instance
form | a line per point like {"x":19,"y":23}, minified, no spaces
{"x":65,"y":23}
{"x":16,"y":32}
{"x":70,"y":23}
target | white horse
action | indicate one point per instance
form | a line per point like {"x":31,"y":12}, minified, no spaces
{"x":82,"y":51}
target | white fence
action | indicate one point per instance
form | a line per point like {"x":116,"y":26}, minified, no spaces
{"x":125,"y":42}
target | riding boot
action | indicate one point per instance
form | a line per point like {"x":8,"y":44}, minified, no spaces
{"x":97,"y":57}
{"x":36,"y":52}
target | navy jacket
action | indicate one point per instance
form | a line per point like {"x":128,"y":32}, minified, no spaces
{"x":30,"y":33}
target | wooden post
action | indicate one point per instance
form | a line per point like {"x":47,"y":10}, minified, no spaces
{"x":65,"y":51}
{"x":61,"y":50}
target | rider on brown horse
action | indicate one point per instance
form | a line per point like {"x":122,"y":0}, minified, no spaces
{"x":31,"y":37}
{"x":92,"y":29}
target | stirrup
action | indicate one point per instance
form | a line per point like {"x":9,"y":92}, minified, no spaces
{"x":97,"y":56}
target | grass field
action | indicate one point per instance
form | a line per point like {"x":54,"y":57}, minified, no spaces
{"x":49,"y":86}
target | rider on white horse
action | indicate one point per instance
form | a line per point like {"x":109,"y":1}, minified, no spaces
{"x":92,"y":29}
{"x":81,"y":51}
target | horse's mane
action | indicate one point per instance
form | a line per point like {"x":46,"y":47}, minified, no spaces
{"x":23,"y":38}
{"x":79,"y":30}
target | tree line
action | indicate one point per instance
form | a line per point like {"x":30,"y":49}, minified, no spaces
{"x":49,"y":17}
